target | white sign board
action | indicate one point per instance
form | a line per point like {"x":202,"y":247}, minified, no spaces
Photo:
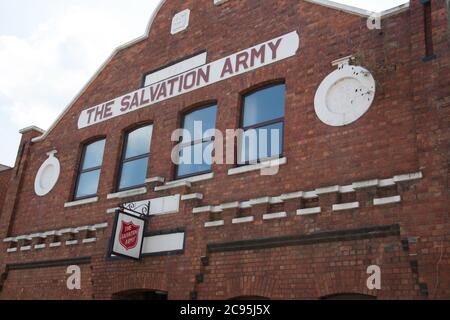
{"x":242,"y":62}
{"x":128,"y":236}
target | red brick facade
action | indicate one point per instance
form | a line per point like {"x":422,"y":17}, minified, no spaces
{"x":5,"y":176}
{"x":298,"y":257}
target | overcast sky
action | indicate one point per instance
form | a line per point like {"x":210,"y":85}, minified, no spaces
{"x":50,"y":48}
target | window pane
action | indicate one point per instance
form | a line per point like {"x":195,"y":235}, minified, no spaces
{"x":207,"y":118}
{"x":262,"y":143}
{"x":264,"y":105}
{"x":93,"y":155}
{"x":88,"y":184}
{"x":134,"y":173}
{"x":195,"y":159}
{"x":138,"y":142}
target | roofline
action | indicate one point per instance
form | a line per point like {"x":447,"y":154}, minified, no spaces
{"x":361,"y":12}
{"x":102,"y":67}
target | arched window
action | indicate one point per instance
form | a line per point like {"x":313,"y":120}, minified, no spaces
{"x":263,"y":124}
{"x":89,"y":171}
{"x":197,"y":143}
{"x":135,"y":158}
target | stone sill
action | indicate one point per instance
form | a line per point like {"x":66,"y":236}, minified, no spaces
{"x":193,"y":196}
{"x":174,"y":185}
{"x":55,"y":244}
{"x":90,"y":240}
{"x":194,"y":179}
{"x":155,"y":180}
{"x":112,"y":210}
{"x":204,"y":209}
{"x":80,"y":202}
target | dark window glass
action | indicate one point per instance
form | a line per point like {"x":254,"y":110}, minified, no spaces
{"x":194,"y":166}
{"x":197,"y":142}
{"x":263,"y":124}
{"x":136,"y":156}
{"x":90,"y":169}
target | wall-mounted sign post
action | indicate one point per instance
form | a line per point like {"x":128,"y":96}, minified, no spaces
{"x":128,"y":233}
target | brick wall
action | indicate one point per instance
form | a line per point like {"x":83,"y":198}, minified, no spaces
{"x":5,"y":176}
{"x":405,"y":131}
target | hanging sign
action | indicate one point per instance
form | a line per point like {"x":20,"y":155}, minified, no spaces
{"x":247,"y":60}
{"x":128,"y":236}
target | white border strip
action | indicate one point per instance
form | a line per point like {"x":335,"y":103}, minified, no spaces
{"x":359,"y":11}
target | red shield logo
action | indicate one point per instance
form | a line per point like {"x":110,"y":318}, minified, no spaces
{"x":129,"y":234}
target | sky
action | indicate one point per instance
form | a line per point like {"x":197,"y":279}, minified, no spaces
{"x":49,"y":49}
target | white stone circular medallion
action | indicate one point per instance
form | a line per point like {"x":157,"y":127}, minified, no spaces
{"x":47,"y":176}
{"x":345,"y":95}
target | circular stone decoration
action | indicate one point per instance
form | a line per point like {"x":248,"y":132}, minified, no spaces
{"x":344,"y":96}
{"x":47,"y":176}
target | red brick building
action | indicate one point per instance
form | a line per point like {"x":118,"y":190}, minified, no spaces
{"x":362,"y":174}
{"x":5,"y":176}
